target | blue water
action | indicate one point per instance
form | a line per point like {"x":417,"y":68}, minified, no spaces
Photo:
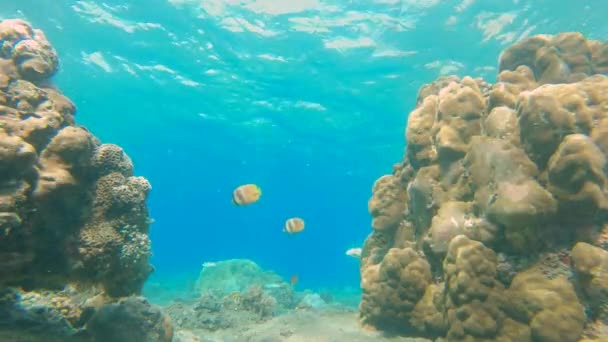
{"x":307,"y":100}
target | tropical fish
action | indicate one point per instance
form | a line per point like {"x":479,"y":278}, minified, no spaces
{"x":354,"y":252}
{"x":294,"y":279}
{"x":246,"y":194}
{"x":294,"y":225}
{"x":235,"y":297}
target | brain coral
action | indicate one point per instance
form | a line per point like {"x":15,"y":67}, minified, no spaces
{"x":473,"y":232}
{"x":71,"y":211}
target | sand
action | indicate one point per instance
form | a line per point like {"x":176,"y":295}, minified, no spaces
{"x":296,"y":326}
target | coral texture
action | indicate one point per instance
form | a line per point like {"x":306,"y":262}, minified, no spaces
{"x":71,"y":211}
{"x":70,"y":208}
{"x":248,"y":283}
{"x":227,"y":276}
{"x":493,"y":227}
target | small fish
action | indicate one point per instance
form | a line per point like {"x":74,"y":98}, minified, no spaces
{"x":235,"y":297}
{"x":293,"y":280}
{"x":293,"y":225}
{"x":354,"y":252}
{"x":246,"y":194}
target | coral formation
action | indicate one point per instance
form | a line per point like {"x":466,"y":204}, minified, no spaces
{"x":253,"y":288}
{"x":70,"y":205}
{"x":238,"y":300}
{"x":71,"y":211}
{"x":212,"y":311}
{"x":233,"y":293}
{"x":493,"y":225}
{"x":227,"y":276}
{"x":138,"y":322}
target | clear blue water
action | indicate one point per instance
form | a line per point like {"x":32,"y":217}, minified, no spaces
{"x":308,"y":100}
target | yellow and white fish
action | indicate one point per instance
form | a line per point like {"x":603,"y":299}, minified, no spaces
{"x":246,"y":194}
{"x":294,"y":225}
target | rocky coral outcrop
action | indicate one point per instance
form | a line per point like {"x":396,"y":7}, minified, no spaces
{"x":395,"y":285}
{"x":252,"y":287}
{"x":235,"y":275}
{"x":473,"y":232}
{"x":130,"y":319}
{"x":71,"y":211}
{"x":233,"y":294}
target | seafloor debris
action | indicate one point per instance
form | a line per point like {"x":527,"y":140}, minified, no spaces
{"x":71,"y":211}
{"x":473,"y":232}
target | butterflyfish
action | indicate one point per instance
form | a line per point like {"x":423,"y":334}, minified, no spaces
{"x":294,"y":225}
{"x":246,"y":194}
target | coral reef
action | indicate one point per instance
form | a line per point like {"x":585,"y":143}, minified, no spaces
{"x":71,"y":211}
{"x":237,"y":295}
{"x":493,"y":227}
{"x":242,"y":279}
{"x":227,"y":276}
{"x":82,"y":315}
{"x":232,"y":293}
{"x":212,"y":312}
{"x":138,"y":322}
{"x":240,"y":301}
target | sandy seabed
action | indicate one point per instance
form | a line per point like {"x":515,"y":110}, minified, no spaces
{"x":327,"y":325}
